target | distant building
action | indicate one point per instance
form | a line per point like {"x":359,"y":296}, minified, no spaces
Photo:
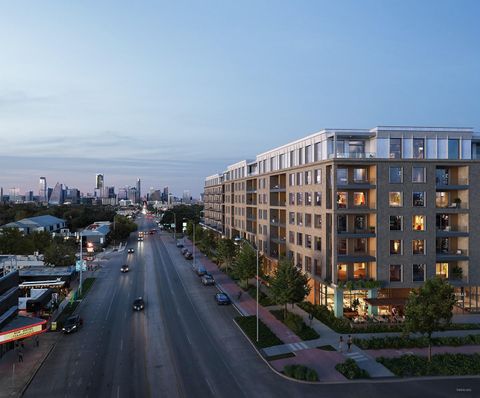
{"x":187,"y":199}
{"x":42,"y":190}
{"x":139,"y":191}
{"x":72,"y":195}
{"x":99,"y":181}
{"x":37,"y":224}
{"x":97,"y":232}
{"x":56,"y":198}
{"x":122,"y":193}
{"x":165,"y":195}
{"x":132,"y":195}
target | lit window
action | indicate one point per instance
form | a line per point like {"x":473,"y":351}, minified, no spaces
{"x":418,"y":223}
{"x":441,"y":270}
{"x":359,"y":270}
{"x":342,"y":200}
{"x":418,"y":246}
{"x":395,"y":199}
{"x":396,"y":246}
{"x":359,"y":199}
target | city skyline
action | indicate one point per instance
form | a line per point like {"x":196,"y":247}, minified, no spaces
{"x":152,"y":94}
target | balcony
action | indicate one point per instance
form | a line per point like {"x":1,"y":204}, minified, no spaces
{"x":452,"y":255}
{"x":352,"y":155}
{"x":355,"y":258}
{"x":280,"y":240}
{"x":278,"y":203}
{"x":278,"y":188}
{"x":452,"y":231}
{"x":366,"y":184}
{"x":278,"y":223}
{"x":358,"y":233}
{"x":444,"y":182}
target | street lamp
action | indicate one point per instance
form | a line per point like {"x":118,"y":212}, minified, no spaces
{"x":258,"y":279}
{"x":81,"y":263}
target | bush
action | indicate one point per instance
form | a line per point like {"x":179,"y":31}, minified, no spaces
{"x":265,"y":336}
{"x":300,"y":372}
{"x":376,"y":343}
{"x":441,"y":365}
{"x":351,"y":370}
{"x":263,"y":299}
{"x":295,"y":323}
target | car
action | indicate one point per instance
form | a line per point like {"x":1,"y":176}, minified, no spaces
{"x":200,"y":270}
{"x":140,"y":238}
{"x":208,"y":280}
{"x":72,"y":324}
{"x":138,"y":304}
{"x":179,"y":243}
{"x":124,"y":268}
{"x":131,"y":250}
{"x":188,"y":255}
{"x":222,"y":299}
{"x":184,"y":250}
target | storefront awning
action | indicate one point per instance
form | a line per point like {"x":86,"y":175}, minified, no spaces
{"x":21,"y":327}
{"x":386,"y":301}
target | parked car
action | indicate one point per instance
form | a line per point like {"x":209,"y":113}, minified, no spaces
{"x":72,"y":324}
{"x":124,"y":268}
{"x":222,"y":299}
{"x":138,"y":304}
{"x":184,"y":250}
{"x":208,"y":280}
{"x":188,"y":255}
{"x":131,"y":250}
{"x":201,"y":270}
{"x":179,"y":243}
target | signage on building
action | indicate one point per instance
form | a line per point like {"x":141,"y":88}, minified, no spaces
{"x":20,"y":333}
{"x":81,"y":264}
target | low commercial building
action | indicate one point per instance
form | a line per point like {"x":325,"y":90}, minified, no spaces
{"x":37,"y":224}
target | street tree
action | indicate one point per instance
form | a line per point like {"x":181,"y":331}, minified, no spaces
{"x":245,"y":266}
{"x":226,"y":252}
{"x":12,"y":241}
{"x":429,"y":309}
{"x":59,"y":254}
{"x":288,"y":284}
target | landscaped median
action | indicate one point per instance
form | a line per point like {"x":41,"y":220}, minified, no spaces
{"x":351,"y":370}
{"x":378,"y":343}
{"x":440,"y":365}
{"x":266,"y":338}
{"x":295,"y":323}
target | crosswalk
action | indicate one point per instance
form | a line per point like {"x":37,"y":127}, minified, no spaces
{"x":297,"y":346}
{"x":356,"y":356}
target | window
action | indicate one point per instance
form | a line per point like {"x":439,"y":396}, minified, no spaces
{"x":418,"y":223}
{"x":359,"y":175}
{"x":441,"y":270}
{"x":342,"y":246}
{"x":418,"y":272}
{"x":418,"y":148}
{"x":308,"y":177}
{"x":359,"y":223}
{"x":308,"y":241}
{"x":308,"y":154}
{"x":299,"y":179}
{"x":360,"y":245}
{"x":308,"y":198}
{"x":299,"y":239}
{"x":359,"y":199}
{"x":291,"y":218}
{"x":395,"y":199}
{"x":356,"y":149}
{"x":300,"y":156}
{"x":395,"y":148}
{"x":318,"y":152}
{"x":318,"y":221}
{"x":418,"y":174}
{"x":291,"y":198}
{"x":340,"y":148}
{"x":442,"y":176}
{"x":418,"y":246}
{"x":396,"y":246}
{"x":300,"y":219}
{"x":281,"y":161}
{"x":396,"y":223}
{"x":292,"y":159}
{"x":453,"y":149}
{"x":299,"y":260}
{"x":396,"y":175}
{"x":342,"y":176}
{"x":418,"y":199}
{"x":395,"y":273}
{"x":308,"y":220}
{"x":318,"y":198}
{"x":318,"y":176}
{"x":318,"y":243}
{"x":441,"y":199}
{"x":308,"y":264}
{"x":291,"y":237}
{"x":342,"y":223}
{"x":299,"y":198}
{"x":342,"y":200}
{"x":359,"y":270}
{"x":291,"y":179}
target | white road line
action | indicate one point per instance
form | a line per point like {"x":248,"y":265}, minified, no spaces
{"x":121,"y":345}
{"x":210,"y":386}
{"x":118,"y":391}
{"x":110,"y":306}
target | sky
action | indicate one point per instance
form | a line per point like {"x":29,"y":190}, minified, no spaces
{"x":172,"y":92}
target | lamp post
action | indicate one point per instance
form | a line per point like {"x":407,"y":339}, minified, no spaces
{"x":81,"y":263}
{"x":193,"y":248}
{"x":175,"y":227}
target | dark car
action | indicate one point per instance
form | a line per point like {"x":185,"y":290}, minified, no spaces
{"x":138,"y":304}
{"x":124,"y":268}
{"x":208,"y":280}
{"x":179,"y":243}
{"x":72,"y":324}
{"x":201,"y":270}
{"x":131,"y":250}
{"x":184,"y":250}
{"x":188,"y":255}
{"x":222,"y":299}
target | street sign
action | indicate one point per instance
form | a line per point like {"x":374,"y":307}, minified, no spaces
{"x":81,"y":264}
{"x":172,"y":225}
{"x":53,"y":326}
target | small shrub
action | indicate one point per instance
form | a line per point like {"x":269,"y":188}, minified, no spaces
{"x":311,"y":375}
{"x":351,"y":370}
{"x":295,"y":323}
{"x":300,"y":372}
{"x":266,"y":337}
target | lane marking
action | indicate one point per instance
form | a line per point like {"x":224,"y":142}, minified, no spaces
{"x":121,"y":345}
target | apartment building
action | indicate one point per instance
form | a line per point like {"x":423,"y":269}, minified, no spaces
{"x":385,"y":208}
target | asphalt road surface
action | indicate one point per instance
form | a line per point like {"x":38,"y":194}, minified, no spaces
{"x":182,"y":344}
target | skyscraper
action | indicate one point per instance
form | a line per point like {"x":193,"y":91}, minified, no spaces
{"x":99,"y":181}
{"x":56,"y":198}
{"x":139,"y":194}
{"x":42,"y":190}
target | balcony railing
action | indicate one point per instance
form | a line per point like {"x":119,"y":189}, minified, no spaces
{"x":352,"y":155}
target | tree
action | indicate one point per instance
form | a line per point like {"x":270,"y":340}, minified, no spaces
{"x":429,"y":308}
{"x":122,"y":228}
{"x":59,"y":254}
{"x":226,"y":252}
{"x":208,"y":242}
{"x":12,"y":241}
{"x":246,"y":264}
{"x":288,"y":284}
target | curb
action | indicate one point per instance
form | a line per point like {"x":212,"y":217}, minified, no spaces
{"x":29,"y":381}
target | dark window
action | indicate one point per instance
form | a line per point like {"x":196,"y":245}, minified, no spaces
{"x":395,"y":148}
{"x":418,"y":148}
{"x":418,"y":272}
{"x":453,"y":149}
{"x":396,"y":223}
{"x":395,"y":273}
{"x":396,"y":175}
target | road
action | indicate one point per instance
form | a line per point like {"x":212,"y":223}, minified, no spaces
{"x":181,"y":345}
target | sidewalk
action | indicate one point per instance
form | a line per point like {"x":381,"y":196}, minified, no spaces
{"x":14,"y":375}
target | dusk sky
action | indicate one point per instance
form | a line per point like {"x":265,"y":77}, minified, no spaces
{"x":174,"y":91}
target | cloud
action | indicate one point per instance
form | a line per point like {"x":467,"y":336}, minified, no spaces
{"x":20,"y":97}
